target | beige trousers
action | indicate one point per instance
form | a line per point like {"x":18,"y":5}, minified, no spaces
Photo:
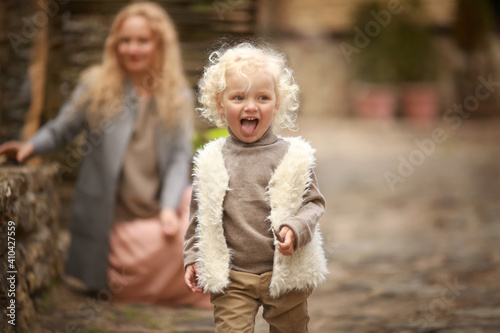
{"x":236,"y":308}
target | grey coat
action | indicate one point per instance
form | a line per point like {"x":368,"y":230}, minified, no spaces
{"x":101,"y":165}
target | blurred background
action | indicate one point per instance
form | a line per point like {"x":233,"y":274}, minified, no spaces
{"x":400,"y":99}
{"x":355,"y":58}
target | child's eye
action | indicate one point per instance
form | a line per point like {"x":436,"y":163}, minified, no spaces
{"x":263,"y":98}
{"x":238,"y":98}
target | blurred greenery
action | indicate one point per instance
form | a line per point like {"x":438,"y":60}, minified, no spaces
{"x":201,"y":5}
{"x":417,"y":56}
{"x":375,"y":62}
{"x":402,"y":51}
{"x":201,"y":137}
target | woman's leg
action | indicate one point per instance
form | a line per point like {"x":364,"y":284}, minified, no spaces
{"x":147,"y":267}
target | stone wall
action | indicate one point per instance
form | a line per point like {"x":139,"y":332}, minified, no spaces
{"x":28,"y":197}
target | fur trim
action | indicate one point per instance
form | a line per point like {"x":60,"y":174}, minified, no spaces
{"x":211,"y":182}
{"x":306,"y":268}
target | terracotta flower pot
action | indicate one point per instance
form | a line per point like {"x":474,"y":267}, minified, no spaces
{"x":373,"y":100}
{"x":420,"y":101}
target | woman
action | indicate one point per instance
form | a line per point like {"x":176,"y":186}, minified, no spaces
{"x":132,"y":194}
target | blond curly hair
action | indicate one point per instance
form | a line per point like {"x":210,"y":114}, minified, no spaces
{"x":254,"y":59}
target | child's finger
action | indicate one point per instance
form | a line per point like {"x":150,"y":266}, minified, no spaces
{"x":286,"y":248}
{"x":278,"y":236}
{"x":191,"y":281}
{"x":189,"y":277}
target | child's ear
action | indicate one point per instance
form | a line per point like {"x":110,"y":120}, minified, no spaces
{"x":219,"y":105}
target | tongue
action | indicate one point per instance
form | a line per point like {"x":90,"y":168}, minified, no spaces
{"x":248,"y":126}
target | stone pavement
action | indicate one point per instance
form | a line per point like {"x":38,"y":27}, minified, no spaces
{"x":418,"y":253}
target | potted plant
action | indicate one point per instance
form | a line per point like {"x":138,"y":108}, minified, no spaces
{"x":371,"y":51}
{"x":416,"y":64}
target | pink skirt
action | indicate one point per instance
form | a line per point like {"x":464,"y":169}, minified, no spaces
{"x":147,"y":267}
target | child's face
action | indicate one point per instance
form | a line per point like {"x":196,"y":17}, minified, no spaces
{"x":248,"y":104}
{"x":136,"y":46}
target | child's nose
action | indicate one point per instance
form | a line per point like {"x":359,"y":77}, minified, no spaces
{"x":251,"y":105}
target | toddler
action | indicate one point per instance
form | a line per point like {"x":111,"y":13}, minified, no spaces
{"x":253,"y":238}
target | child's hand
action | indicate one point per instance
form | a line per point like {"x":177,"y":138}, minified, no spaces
{"x":191,"y":279}
{"x":169,"y":222}
{"x":286,"y":247}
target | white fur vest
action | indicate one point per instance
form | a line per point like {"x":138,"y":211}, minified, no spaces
{"x":305,"y":269}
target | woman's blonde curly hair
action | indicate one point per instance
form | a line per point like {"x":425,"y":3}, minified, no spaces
{"x":251,"y":59}
{"x":166,"y":78}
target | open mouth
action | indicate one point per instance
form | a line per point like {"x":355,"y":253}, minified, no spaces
{"x":248,"y":125}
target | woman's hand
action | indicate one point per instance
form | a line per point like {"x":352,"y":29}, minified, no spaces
{"x":169,"y":221}
{"x":191,"y":279}
{"x":17,"y":150}
{"x":286,"y":247}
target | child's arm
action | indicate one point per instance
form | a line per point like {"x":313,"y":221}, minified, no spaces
{"x":190,"y":251}
{"x":191,"y":279}
{"x":303,"y":224}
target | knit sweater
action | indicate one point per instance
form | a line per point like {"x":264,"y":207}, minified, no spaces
{"x":139,"y":182}
{"x":246,"y":209}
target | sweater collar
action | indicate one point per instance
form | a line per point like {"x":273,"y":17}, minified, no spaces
{"x":268,"y":138}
